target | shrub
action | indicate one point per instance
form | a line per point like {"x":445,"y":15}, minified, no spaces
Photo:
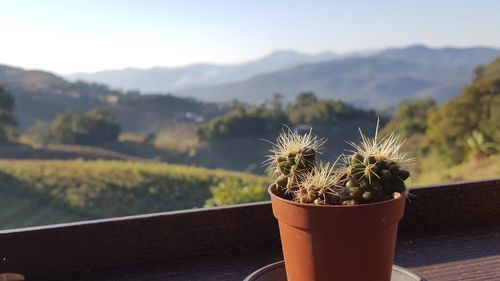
{"x":94,"y":127}
{"x":236,"y":191}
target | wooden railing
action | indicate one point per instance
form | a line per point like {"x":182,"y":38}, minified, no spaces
{"x":81,"y":246}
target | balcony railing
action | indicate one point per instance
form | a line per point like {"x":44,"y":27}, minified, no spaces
{"x":449,"y":232}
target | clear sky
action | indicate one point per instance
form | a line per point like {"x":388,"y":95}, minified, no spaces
{"x":88,"y":35}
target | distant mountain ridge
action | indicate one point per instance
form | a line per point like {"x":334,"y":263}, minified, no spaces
{"x":379,"y":80}
{"x":448,"y":57}
{"x":168,"y":79}
{"x":40,"y":96}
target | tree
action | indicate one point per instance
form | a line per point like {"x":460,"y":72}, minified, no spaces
{"x":94,"y":127}
{"x":99,"y":125}
{"x":150,"y":139}
{"x":40,"y":132}
{"x":476,"y":108}
{"x":65,"y":128}
{"x":489,"y":71}
{"x":305,"y":98}
{"x":8,"y":121}
{"x":277,"y":101}
{"x":410,"y":117}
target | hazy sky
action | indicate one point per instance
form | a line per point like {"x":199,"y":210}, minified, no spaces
{"x":89,"y":35}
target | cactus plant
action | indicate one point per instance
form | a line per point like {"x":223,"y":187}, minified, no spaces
{"x":314,"y":234}
{"x":374,"y":171}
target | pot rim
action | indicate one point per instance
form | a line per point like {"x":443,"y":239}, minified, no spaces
{"x":271,"y":188}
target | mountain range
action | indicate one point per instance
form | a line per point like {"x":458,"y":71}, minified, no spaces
{"x":171,"y":79}
{"x":369,"y":80}
{"x":375,"y":80}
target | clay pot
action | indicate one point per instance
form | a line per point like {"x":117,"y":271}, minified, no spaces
{"x":338,"y":243}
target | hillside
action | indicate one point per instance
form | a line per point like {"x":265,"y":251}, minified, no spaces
{"x":474,"y":170}
{"x":39,"y":96}
{"x":378,"y":81}
{"x":115,"y":151}
{"x":167,"y":79}
{"x":489,"y":71}
{"x":458,"y":140}
{"x":47,"y":192}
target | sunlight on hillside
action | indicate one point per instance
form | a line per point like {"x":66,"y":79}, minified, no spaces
{"x":485,"y":168}
{"x":100,"y":189}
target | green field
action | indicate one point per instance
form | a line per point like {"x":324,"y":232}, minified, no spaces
{"x":35,"y":192}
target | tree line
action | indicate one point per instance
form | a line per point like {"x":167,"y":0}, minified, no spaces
{"x":96,"y":126}
{"x":257,"y":121}
{"x":70,"y":127}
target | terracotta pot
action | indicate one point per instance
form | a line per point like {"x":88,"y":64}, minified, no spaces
{"x":337,"y":243}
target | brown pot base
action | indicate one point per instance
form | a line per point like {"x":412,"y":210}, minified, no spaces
{"x":335,"y":242}
{"x":276,"y":272}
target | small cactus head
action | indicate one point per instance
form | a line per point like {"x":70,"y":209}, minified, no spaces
{"x":291,"y":157}
{"x":376,"y":169}
{"x":323,"y":185}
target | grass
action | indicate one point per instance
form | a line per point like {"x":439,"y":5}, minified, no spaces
{"x":474,"y":169}
{"x":65,"y":151}
{"x":168,"y":139}
{"x":34,"y":192}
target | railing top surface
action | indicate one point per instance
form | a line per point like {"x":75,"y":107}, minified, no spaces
{"x":415,"y":189}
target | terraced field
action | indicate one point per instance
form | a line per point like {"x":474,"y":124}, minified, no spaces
{"x":35,"y":192}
